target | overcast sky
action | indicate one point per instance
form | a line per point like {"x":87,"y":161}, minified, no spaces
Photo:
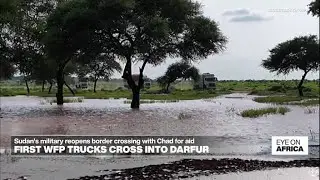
{"x":252,"y":27}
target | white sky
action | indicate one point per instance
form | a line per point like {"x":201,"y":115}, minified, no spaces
{"x":252,"y":27}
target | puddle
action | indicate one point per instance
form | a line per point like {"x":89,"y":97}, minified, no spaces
{"x":233,"y":135}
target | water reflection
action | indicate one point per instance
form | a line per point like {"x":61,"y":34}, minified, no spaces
{"x":214,"y":117}
{"x":233,"y":135}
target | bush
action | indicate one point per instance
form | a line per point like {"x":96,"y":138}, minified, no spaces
{"x":277,"y":99}
{"x":121,"y":88}
{"x":306,"y":89}
{"x":211,"y":91}
{"x":254,"y":92}
{"x":171,"y":89}
{"x":224,"y":89}
{"x":277,"y":88}
{"x":253,"y":113}
{"x":196,"y":87}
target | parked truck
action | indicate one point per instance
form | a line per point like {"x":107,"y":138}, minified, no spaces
{"x":82,"y":83}
{"x":206,"y":81}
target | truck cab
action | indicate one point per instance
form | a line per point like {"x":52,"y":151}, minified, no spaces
{"x":82,"y":83}
{"x":206,"y":81}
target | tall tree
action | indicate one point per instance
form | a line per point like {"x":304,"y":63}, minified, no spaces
{"x":134,"y":30}
{"x":176,"y":71}
{"x":103,"y":66}
{"x":44,"y":71}
{"x":25,"y":59}
{"x":8,"y":10}
{"x":23,"y":34}
{"x":151,"y":31}
{"x":7,"y":67}
{"x":70,"y":35}
{"x":314,"y":8}
{"x":300,"y":53}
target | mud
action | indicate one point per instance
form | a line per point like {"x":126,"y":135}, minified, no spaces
{"x":188,"y":168}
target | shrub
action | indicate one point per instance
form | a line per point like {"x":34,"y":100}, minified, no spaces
{"x":277,"y":88}
{"x":253,"y":113}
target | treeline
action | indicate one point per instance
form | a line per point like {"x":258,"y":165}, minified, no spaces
{"x":21,"y":78}
{"x":50,"y":39}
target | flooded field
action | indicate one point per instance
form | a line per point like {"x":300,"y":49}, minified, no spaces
{"x":234,"y":136}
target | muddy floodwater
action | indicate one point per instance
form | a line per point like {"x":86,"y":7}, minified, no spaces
{"x":233,"y":136}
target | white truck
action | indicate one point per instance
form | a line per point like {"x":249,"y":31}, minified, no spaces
{"x":82,"y":83}
{"x":206,"y":81}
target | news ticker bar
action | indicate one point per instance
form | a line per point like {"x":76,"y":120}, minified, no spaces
{"x":110,"y":145}
{"x":136,"y":145}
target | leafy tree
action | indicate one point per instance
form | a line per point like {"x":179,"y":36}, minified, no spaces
{"x":70,"y":35}
{"x":192,"y":73}
{"x":8,"y":8}
{"x":103,"y":66}
{"x":176,"y":71}
{"x":300,"y":53}
{"x":25,"y":59}
{"x":151,"y":31}
{"x":22,"y":35}
{"x":162,"y":81}
{"x":314,"y":8}
{"x":44,"y":71}
{"x":7,"y":69}
{"x":7,"y":12}
{"x":133,"y":30}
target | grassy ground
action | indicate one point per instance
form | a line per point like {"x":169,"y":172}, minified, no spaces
{"x":309,"y":102}
{"x":278,"y":99}
{"x":183,"y":91}
{"x":116,"y":94}
{"x":291,"y":100}
{"x":253,"y":113}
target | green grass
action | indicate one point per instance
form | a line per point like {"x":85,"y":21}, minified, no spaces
{"x":183,"y":95}
{"x":309,"y":102}
{"x":277,"y":99}
{"x":112,"y":89}
{"x":117,"y":94}
{"x":254,"y":113}
{"x":290,"y":100}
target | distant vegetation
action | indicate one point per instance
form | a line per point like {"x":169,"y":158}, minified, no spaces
{"x":47,"y":41}
{"x":277,"y":99}
{"x":178,"y":70}
{"x":314,"y":8}
{"x":290,"y":100}
{"x":308,"y":102}
{"x":300,"y":53}
{"x":253,"y":113}
{"x":50,"y":39}
{"x":285,"y":91}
